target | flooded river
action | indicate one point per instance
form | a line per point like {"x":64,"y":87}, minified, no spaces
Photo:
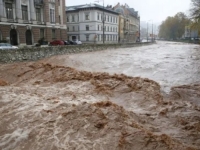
{"x":168,"y":63}
{"x":103,"y":100}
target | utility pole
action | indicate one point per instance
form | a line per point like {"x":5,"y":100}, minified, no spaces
{"x":147,"y":31}
{"x":139,"y":29}
{"x":152,"y":32}
{"x":103,"y":23}
{"x":103,"y":20}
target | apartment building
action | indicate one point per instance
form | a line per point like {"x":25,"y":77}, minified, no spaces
{"x":24,"y":22}
{"x":129,"y":23}
{"x":85,"y":23}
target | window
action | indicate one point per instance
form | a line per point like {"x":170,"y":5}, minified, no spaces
{"x":111,"y":19}
{"x":73,"y":28}
{"x":87,"y":17}
{"x":116,"y":29}
{"x":105,"y":28}
{"x":87,"y":28}
{"x":102,"y":37}
{"x":38,"y":14}
{"x":107,"y":18}
{"x":108,"y":28}
{"x":9,"y":10}
{"x":108,"y":37}
{"x":73,"y":20}
{"x":97,"y":16}
{"x":41,"y":33}
{"x":24,"y":12}
{"x":87,"y":37}
{"x":52,"y":15}
{"x":78,"y":17}
{"x":53,"y":33}
{"x":98,"y":37}
{"x":59,"y":19}
{"x":98,"y":27}
{"x":67,"y":18}
{"x":67,"y":28}
{"x":116,"y":20}
{"x":111,"y":29}
{"x":101,"y":17}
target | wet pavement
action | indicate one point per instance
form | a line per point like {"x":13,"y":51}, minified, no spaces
{"x":168,"y":63}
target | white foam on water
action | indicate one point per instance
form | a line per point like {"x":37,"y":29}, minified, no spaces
{"x":9,"y":141}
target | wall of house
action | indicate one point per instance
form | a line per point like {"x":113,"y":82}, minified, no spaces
{"x":21,"y":26}
{"x":93,"y":33}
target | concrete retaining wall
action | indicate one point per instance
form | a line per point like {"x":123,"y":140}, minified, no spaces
{"x":31,"y":54}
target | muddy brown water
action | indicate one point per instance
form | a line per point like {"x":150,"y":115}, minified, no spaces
{"x":48,"y":105}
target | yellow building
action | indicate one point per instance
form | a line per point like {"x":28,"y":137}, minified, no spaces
{"x":129,"y":21}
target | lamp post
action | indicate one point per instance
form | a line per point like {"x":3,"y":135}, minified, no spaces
{"x":152,"y":32}
{"x":139,"y":28}
{"x":147,"y":31}
{"x":103,"y":21}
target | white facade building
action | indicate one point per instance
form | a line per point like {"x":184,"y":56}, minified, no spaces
{"x":85,"y":23}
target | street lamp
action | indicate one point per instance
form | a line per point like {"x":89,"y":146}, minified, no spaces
{"x":152,"y":31}
{"x":147,"y":31}
{"x":103,"y":19}
{"x":139,"y":28}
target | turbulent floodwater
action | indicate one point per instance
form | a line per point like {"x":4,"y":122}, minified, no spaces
{"x":168,"y":63}
{"x":47,"y":105}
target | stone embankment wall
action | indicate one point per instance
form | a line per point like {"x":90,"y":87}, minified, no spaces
{"x":36,"y":53}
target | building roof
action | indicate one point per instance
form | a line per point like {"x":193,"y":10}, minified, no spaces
{"x":125,"y":10}
{"x":80,"y":7}
{"x":120,"y":10}
{"x":133,"y":12}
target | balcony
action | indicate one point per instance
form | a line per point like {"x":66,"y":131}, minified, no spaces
{"x":39,"y":2}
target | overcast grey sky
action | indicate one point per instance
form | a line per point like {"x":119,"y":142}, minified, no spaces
{"x":156,"y":10}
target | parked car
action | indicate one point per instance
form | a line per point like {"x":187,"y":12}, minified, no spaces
{"x":78,"y":42}
{"x":72,"y":42}
{"x":4,"y":46}
{"x":66,"y":42}
{"x":56,"y":43}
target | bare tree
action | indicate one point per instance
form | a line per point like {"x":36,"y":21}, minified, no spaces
{"x":195,"y":10}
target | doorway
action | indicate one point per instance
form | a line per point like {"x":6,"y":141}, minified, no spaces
{"x":13,"y":37}
{"x":28,"y":37}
